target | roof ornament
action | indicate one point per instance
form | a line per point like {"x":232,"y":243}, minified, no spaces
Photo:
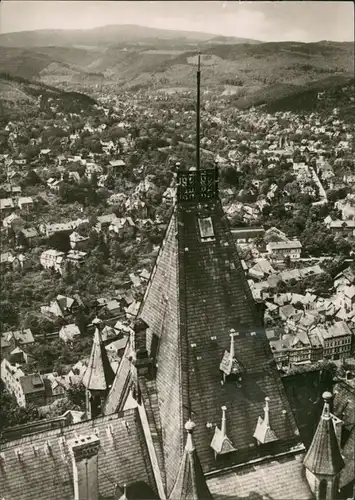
{"x":263,"y":432}
{"x":229,"y":364}
{"x":221,"y":444}
{"x":190,"y":426}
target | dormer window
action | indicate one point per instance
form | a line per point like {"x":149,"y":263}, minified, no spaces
{"x":230,"y":367}
{"x":206,"y":229}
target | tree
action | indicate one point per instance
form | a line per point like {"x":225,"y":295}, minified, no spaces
{"x":12,"y":414}
{"x":59,"y":241}
{"x":8,"y":314}
{"x":76,"y":395}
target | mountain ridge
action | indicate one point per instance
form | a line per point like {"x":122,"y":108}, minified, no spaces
{"x":109,"y":35}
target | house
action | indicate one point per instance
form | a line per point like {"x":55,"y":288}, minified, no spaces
{"x":116,"y":166}
{"x":76,"y":257}
{"x":68,"y":332}
{"x":28,"y":237}
{"x":169,"y":196}
{"x":13,"y":221}
{"x":247,"y":234}
{"x":336,"y":339}
{"x":124,"y":227}
{"x":281,"y":249}
{"x":343,"y":227}
{"x":105,"y":221}
{"x":52,"y":259}
{"x":286,"y":312}
{"x":20,"y":338}
{"x":274,"y":234}
{"x":6,"y":206}
{"x":113,"y":307}
{"x":25,"y":203}
{"x":7,"y":259}
{"x":56,"y":387}
{"x":78,"y":242}
{"x":27,"y":388}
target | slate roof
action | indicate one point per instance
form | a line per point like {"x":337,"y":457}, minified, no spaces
{"x":198,"y":292}
{"x":99,"y":375}
{"x":279,"y":479}
{"x":323,"y":456}
{"x":122,"y":458}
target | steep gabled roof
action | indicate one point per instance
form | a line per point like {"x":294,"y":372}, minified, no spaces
{"x":99,"y":375}
{"x":323,"y":456}
{"x":190,"y":483}
{"x":196,"y":294}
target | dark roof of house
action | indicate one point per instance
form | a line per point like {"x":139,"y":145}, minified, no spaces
{"x":99,"y":375}
{"x":32,"y":383}
{"x":324,"y":456}
{"x":279,"y":479}
{"x":122,"y":459}
{"x":198,"y":292}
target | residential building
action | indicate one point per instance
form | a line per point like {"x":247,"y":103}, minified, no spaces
{"x":280,"y":250}
{"x":78,"y":242}
{"x":343,"y":227}
{"x":27,"y":388}
{"x":336,"y":339}
{"x":68,"y":333}
{"x":247,"y":234}
{"x":52,"y":259}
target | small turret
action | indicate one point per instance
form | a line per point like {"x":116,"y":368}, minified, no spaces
{"x":323,"y":461}
{"x":190,"y":482}
{"x":98,"y":377}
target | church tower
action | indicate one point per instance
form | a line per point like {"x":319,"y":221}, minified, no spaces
{"x":98,"y":377}
{"x":202,"y":351}
{"x":323,"y":461}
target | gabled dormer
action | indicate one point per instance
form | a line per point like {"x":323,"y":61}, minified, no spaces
{"x":221,"y":444}
{"x":263,"y":432}
{"x":231,"y":369}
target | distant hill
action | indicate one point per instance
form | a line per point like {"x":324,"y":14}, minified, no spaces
{"x":18,"y":95}
{"x":145,"y":61}
{"x":104,"y":36}
{"x":282,"y":97}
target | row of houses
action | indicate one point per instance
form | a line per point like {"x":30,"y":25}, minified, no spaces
{"x":333,"y":341}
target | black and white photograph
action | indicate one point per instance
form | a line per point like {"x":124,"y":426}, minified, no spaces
{"x":177,"y":250}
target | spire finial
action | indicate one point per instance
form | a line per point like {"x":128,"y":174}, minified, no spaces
{"x":189,"y":426}
{"x":232,"y":334}
{"x":327,"y":396}
{"x":266,"y":412}
{"x":224,"y":421}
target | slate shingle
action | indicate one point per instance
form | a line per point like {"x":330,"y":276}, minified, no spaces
{"x":123,"y":458}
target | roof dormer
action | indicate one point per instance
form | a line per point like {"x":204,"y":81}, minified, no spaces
{"x":221,"y":444}
{"x":263,"y":432}
{"x":230,"y":367}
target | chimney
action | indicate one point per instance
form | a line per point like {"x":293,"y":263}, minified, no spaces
{"x":143,"y":363}
{"x":84,"y":451}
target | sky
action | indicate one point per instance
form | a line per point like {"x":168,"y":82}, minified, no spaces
{"x":266,"y":21}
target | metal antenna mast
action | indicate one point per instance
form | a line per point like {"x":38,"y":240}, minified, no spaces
{"x":198,"y":115}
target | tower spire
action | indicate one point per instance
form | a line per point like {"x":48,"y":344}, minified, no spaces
{"x":190,"y":481}
{"x":323,"y":461}
{"x":198,"y":112}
